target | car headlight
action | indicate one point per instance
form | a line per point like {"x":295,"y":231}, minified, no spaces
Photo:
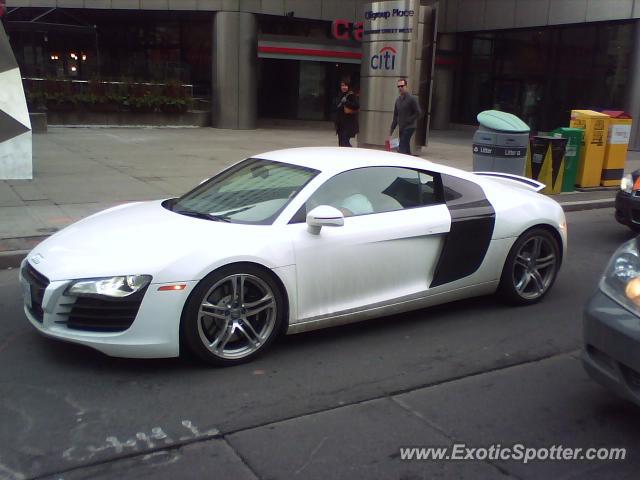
{"x":110,"y":286}
{"x":621,"y":280}
{"x":626,"y":183}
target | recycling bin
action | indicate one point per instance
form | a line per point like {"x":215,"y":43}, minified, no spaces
{"x":574,"y":138}
{"x":545,"y":161}
{"x":595,"y":126}
{"x":615,"y":151}
{"x":500,"y":143}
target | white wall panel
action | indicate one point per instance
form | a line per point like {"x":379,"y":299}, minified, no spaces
{"x":333,"y":9}
{"x":597,"y":10}
{"x":71,"y":3}
{"x":183,"y":4}
{"x":272,"y":7}
{"x":253,"y":6}
{"x":499,"y":14}
{"x":154,"y":4}
{"x":567,"y":11}
{"x":106,"y":4}
{"x":303,"y":9}
{"x":471,"y":15}
{"x":209,"y":5}
{"x":18,"y":3}
{"x":125,"y":4}
{"x":532,"y":13}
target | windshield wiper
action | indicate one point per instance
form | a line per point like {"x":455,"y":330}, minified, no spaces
{"x":204,"y":216}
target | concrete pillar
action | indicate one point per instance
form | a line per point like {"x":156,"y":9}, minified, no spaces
{"x":389,"y":46}
{"x":234,"y":84}
{"x":633,"y":89}
{"x":443,"y":86}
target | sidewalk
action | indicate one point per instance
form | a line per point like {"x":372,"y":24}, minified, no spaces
{"x":79,"y":171}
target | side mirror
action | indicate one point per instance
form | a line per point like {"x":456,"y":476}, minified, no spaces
{"x":324,"y":216}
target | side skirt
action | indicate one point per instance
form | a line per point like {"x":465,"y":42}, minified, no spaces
{"x":400,"y":306}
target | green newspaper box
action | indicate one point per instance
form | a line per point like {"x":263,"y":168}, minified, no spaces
{"x":572,"y":156}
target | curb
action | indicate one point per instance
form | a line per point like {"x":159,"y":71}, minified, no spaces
{"x":12,"y":258}
{"x":588,"y":204}
{"x":9,"y":260}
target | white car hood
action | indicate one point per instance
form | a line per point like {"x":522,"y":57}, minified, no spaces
{"x":138,"y":238}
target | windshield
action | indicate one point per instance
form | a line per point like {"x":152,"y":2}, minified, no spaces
{"x":254,"y":191}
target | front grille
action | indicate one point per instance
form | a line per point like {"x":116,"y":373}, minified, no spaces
{"x":102,"y":314}
{"x":39,"y":284}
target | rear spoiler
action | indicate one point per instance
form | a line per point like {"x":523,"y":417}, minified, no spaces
{"x":514,"y":180}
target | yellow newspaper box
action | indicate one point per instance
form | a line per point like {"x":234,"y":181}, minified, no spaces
{"x":595,"y":125}
{"x":615,"y":152}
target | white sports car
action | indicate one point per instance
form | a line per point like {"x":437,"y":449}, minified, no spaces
{"x":286,"y":242}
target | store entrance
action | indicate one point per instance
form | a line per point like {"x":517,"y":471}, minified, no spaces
{"x":301,"y":90}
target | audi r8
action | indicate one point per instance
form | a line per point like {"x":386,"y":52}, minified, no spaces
{"x":286,"y":242}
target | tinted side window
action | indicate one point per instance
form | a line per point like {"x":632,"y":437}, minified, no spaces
{"x":374,"y":190}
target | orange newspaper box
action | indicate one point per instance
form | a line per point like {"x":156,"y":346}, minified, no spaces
{"x":615,"y":152}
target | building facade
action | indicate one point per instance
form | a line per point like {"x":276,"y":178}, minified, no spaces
{"x":249,"y":59}
{"x":257,"y":59}
{"x":538,"y":59}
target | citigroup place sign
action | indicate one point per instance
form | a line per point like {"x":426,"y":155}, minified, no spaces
{"x":388,"y":29}
{"x":389,"y":21}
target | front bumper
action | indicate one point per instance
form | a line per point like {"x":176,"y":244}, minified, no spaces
{"x":628,"y":209}
{"x":611,"y":353}
{"x":155,"y":332}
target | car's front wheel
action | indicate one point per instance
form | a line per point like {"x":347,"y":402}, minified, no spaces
{"x":531,"y":267}
{"x":233,"y":315}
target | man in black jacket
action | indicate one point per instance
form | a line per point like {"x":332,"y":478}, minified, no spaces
{"x":405,"y":116}
{"x":346,"y":106}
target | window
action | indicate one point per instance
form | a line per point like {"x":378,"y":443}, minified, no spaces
{"x":374,"y":190}
{"x":254,"y":191}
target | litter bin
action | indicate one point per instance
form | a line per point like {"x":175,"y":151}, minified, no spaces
{"x":595,"y":126}
{"x":545,"y":161}
{"x":615,"y":152}
{"x":500,"y":144}
{"x":574,"y":138}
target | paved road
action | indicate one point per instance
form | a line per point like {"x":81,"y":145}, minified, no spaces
{"x":329,"y":404}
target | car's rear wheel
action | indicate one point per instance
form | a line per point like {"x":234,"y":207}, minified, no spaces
{"x":233,"y":315}
{"x":531,"y":267}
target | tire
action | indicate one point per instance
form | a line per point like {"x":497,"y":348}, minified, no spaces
{"x":233,"y":315}
{"x":531,"y":268}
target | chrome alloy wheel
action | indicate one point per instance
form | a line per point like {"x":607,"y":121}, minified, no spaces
{"x":236,"y":316}
{"x":534,"y":267}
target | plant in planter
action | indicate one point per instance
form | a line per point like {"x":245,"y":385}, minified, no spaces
{"x":59,"y":96}
{"x":103,"y":97}
{"x":174,"y":105}
{"x":175,"y":98}
{"x":144,"y":103}
{"x":61,"y":101}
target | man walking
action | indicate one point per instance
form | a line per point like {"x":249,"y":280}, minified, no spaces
{"x":405,"y":116}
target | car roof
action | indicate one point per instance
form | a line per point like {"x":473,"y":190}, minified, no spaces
{"x":338,"y":159}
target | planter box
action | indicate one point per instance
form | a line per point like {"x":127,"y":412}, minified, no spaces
{"x":77,"y":117}
{"x":38,"y":122}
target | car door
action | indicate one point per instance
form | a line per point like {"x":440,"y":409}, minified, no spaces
{"x":393,"y":233}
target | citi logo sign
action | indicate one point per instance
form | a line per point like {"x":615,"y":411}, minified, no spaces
{"x":385,"y":60}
